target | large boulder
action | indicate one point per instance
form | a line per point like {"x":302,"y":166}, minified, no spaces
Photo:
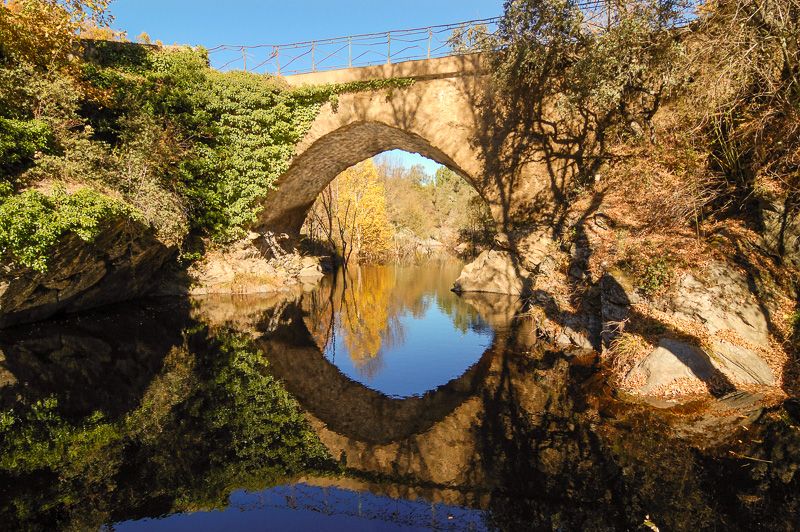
{"x":498,"y":272}
{"x":715,"y":309}
{"x":119,"y":264}
{"x":675,"y":361}
{"x":253,"y":265}
{"x":722,"y":300}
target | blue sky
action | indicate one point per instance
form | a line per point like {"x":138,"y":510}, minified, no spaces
{"x":410,"y":159}
{"x":249,"y":22}
{"x":213,"y":22}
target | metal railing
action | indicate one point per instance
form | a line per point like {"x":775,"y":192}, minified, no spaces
{"x":392,"y":46}
{"x":366,"y":49}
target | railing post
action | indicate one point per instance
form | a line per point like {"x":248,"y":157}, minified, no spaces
{"x":277,"y":59}
{"x":313,"y":62}
{"x":388,"y":47}
{"x":430,"y":37}
{"x":349,"y":52}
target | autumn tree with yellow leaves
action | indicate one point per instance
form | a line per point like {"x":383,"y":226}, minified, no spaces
{"x":350,"y":214}
{"x":44,"y":32}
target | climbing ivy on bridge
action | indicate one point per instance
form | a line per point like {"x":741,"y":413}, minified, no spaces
{"x":238,"y":130}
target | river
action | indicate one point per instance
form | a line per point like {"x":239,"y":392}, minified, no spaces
{"x":376,"y":400}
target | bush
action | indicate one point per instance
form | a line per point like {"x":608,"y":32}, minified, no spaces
{"x":652,"y":274}
{"x":19,"y":142}
{"x":31,"y":223}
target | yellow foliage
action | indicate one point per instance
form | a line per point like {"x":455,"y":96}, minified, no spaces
{"x":45,"y":32}
{"x":365,"y":312}
{"x":351,"y":211}
{"x":357,"y":305}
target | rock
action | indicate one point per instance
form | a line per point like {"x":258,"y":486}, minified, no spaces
{"x":502,"y":241}
{"x":723,"y":300}
{"x":493,"y":271}
{"x":243,"y":268}
{"x":120,"y":263}
{"x":674,"y":359}
{"x":670,"y":361}
{"x":741,"y":364}
{"x":538,"y":252}
{"x":578,"y":330}
{"x":311,"y":269}
{"x":572,"y":338}
{"x":781,"y":230}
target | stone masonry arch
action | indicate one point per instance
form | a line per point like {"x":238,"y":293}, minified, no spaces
{"x":437,"y":116}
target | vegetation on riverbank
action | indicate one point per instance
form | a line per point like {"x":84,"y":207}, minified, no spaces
{"x":682,"y":122}
{"x":192,"y":149}
{"x":681,"y":138}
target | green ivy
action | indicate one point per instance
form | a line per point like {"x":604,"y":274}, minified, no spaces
{"x":193,"y":148}
{"x":19,"y":141}
{"x":243,"y":128}
{"x":31,"y":222}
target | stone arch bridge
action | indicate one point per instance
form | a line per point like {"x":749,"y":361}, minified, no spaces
{"x":448,"y":114}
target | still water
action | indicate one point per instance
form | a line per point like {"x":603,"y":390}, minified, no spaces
{"x":398,"y":330}
{"x":377,"y":400}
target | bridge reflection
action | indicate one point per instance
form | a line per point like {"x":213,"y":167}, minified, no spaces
{"x":531,"y":436}
{"x":432,"y":446}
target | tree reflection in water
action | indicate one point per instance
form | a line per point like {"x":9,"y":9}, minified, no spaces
{"x":165,"y":410}
{"x":364,"y":312}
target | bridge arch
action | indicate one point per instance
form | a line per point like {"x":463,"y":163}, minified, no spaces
{"x":435,"y":117}
{"x":351,"y":408}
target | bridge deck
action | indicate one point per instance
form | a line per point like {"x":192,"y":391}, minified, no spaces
{"x":441,"y":67}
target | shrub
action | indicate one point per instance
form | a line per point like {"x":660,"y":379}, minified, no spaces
{"x":652,"y":274}
{"x":19,"y":142}
{"x":31,"y":223}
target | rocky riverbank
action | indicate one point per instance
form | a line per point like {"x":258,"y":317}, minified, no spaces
{"x":122,"y":262}
{"x":255,"y":264}
{"x":679,"y":330}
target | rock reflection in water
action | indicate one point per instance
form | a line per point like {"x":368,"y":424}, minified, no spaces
{"x":179,"y":408}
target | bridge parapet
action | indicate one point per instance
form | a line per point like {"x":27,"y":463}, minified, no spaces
{"x":442,"y":67}
{"x":386,"y":47}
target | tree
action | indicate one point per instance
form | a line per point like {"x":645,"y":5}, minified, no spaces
{"x":565,"y":84}
{"x":44,"y":32}
{"x":351,"y":213}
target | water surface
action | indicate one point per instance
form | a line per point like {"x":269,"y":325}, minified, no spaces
{"x":377,"y":401}
{"x":398,"y":329}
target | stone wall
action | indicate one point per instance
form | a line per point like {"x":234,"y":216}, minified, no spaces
{"x":447,"y":114}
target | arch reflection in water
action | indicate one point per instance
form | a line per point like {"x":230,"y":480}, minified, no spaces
{"x":397,"y":329}
{"x":179,"y":421}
